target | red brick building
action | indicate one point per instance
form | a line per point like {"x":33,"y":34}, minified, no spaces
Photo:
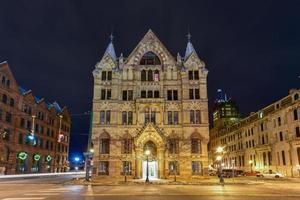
{"x":34,"y":134}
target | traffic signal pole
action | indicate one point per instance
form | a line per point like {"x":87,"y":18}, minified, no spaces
{"x":89,"y":154}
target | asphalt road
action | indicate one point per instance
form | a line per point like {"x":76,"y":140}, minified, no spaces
{"x":54,"y":188}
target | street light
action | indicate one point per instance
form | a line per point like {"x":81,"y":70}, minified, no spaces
{"x":147,"y":153}
{"x":220,"y":149}
{"x":219,"y":158}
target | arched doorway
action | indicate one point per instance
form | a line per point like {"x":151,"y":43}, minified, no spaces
{"x":150,"y":161}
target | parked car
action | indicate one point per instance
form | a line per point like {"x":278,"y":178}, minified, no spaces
{"x":227,"y":173}
{"x":239,"y":172}
{"x":253,"y":173}
{"x":270,"y":174}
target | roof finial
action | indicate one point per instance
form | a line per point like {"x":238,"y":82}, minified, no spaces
{"x":189,"y":36}
{"x":111,"y":37}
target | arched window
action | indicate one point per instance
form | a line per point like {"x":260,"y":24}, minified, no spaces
{"x":150,"y":58}
{"x":104,"y":143}
{"x":143,"y":75}
{"x":196,"y":146}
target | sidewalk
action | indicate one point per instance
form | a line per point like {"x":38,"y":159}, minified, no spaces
{"x":24,"y":176}
{"x":200,"y":181}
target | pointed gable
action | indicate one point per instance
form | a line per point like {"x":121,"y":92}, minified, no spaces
{"x":150,"y":43}
{"x":6,"y":71}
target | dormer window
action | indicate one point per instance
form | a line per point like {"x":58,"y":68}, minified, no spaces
{"x":150,"y":58}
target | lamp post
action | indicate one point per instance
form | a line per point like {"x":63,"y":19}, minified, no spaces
{"x":251,"y":164}
{"x":147,"y":153}
{"x":218,"y":159}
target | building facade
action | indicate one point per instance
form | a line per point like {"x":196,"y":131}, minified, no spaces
{"x":267,"y":140}
{"x":150,"y":102}
{"x":34,"y":134}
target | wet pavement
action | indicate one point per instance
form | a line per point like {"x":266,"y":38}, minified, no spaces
{"x":55,"y":189}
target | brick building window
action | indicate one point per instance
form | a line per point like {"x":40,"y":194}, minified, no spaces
{"x":297,"y":130}
{"x":193,"y":75}
{"x":150,"y":116}
{"x":6,"y":134}
{"x":104,"y":143}
{"x":194,"y":94}
{"x":8,"y":117}
{"x":280,"y":136}
{"x":127,"y":117}
{"x":173,"y":167}
{"x":283,"y":158}
{"x":4,"y":98}
{"x":127,"y":144}
{"x":173,"y":145}
{"x":20,"y":138}
{"x":196,"y":168}
{"x":196,"y":144}
{"x":295,"y":114}
{"x":127,"y":95}
{"x":103,"y":168}
{"x":126,"y":168}
{"x":105,"y":117}
{"x":172,"y":117}
{"x":106,"y":76}
{"x":195,"y":117}
{"x":12,"y":102}
{"x":105,"y":94}
{"x":172,"y":95}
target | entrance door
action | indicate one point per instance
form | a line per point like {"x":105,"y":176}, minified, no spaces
{"x":152,"y":169}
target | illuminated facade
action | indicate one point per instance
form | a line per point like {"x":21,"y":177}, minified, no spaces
{"x":150,"y":101}
{"x":267,"y":140}
{"x":29,"y":130}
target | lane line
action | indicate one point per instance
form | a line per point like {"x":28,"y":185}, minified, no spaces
{"x":32,"y":198}
{"x":42,"y":194}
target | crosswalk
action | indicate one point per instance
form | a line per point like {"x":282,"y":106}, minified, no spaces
{"x":41,"y":194}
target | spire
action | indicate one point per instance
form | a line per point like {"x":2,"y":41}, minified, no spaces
{"x":189,"y":47}
{"x":110,"y":48}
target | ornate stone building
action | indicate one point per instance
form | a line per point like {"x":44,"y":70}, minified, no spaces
{"x":150,"y":101}
{"x":34,"y":134}
{"x":266,"y":140}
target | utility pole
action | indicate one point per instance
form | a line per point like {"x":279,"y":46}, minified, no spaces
{"x":90,"y":151}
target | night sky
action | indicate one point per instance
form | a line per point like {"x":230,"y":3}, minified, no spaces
{"x":251,"y":49}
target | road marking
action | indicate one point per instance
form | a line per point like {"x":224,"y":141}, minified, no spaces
{"x":31,"y":198}
{"x":42,"y":194}
{"x":60,"y":189}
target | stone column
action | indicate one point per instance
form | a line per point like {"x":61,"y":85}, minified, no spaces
{"x":161,"y":163}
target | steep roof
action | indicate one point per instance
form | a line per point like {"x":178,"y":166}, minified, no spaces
{"x":189,"y":47}
{"x":110,"y":50}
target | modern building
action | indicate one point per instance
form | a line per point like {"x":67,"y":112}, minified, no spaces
{"x":266,"y":140}
{"x":150,"y":106}
{"x":34,"y":134}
